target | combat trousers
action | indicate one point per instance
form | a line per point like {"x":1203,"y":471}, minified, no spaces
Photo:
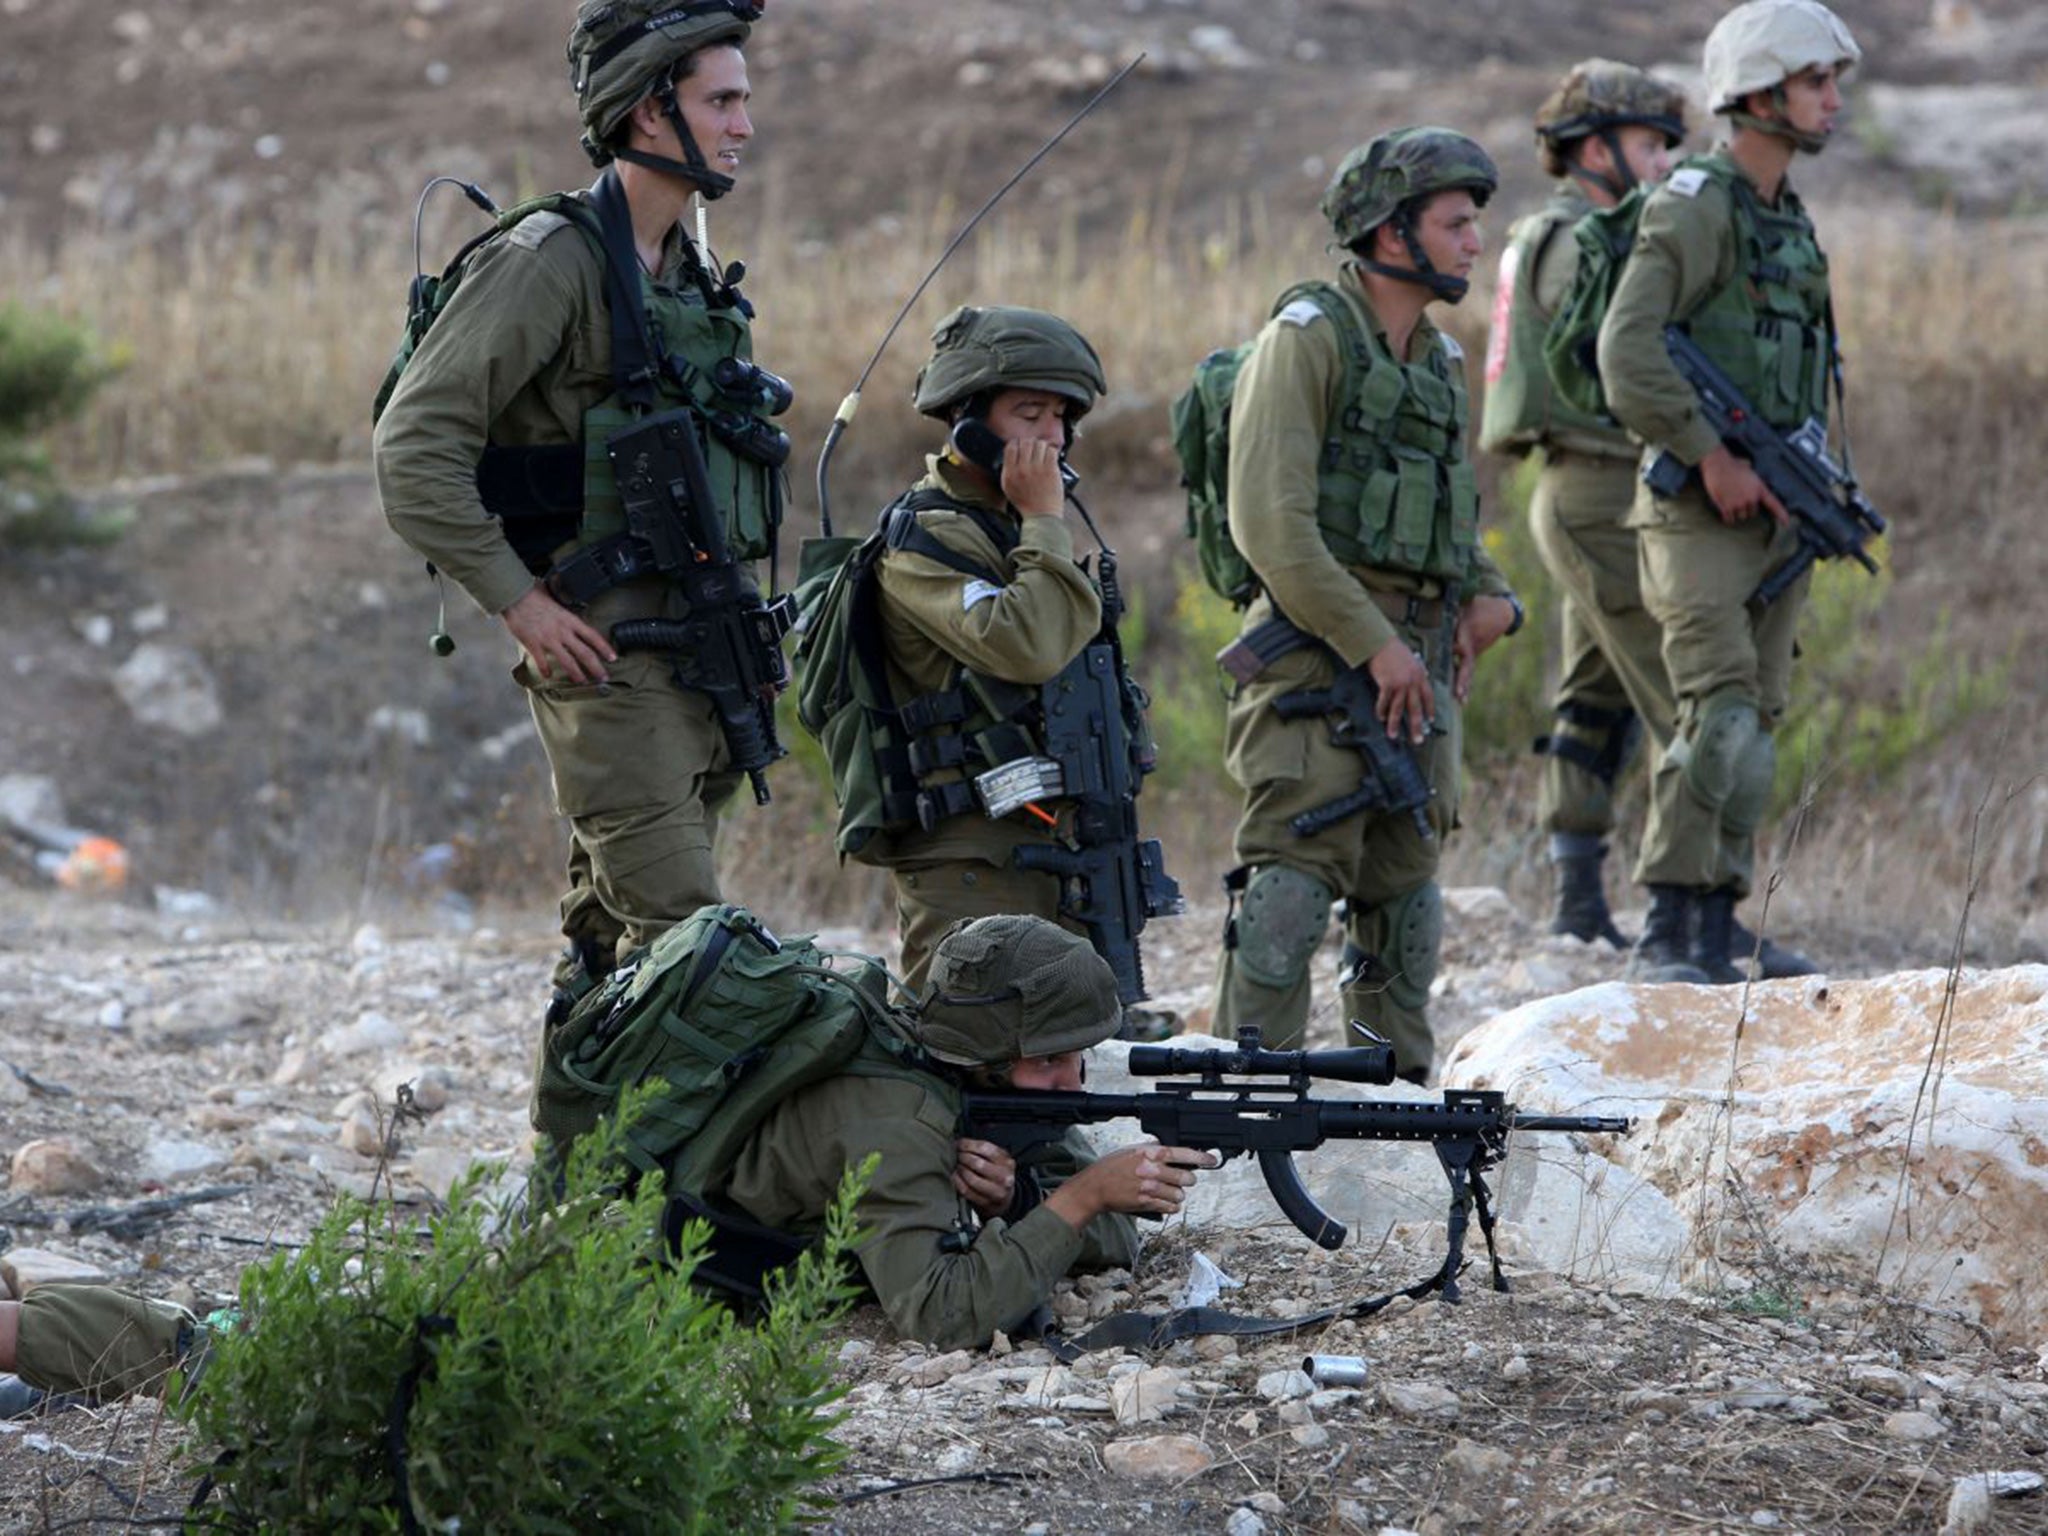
{"x":1612,"y":656}
{"x":932,"y":895}
{"x":1697,"y":574}
{"x":1380,"y":864}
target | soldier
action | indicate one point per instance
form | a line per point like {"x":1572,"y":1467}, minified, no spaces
{"x":959,"y":1243}
{"x":1609,"y":127}
{"x":981,"y":605}
{"x":520,"y":383}
{"x":1352,"y":499}
{"x":1725,"y":249}
{"x":90,"y":1340}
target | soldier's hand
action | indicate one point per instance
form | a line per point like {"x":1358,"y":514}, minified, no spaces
{"x":1407,"y":702}
{"x":1147,"y":1180}
{"x":556,"y":639}
{"x":1737,"y":490}
{"x":1031,"y":478}
{"x":1481,"y":622}
{"x":985,"y":1175}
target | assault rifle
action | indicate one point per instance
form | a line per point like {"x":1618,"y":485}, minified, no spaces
{"x":1829,"y":511}
{"x":1221,"y":1112}
{"x":1393,"y":778}
{"x":1096,"y":752}
{"x":729,"y":647}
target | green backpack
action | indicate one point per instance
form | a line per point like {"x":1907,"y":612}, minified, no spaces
{"x":1200,"y":419}
{"x":1605,"y":237}
{"x":732,"y":1019}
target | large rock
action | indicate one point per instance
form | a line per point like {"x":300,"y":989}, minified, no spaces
{"x":53,"y":1165}
{"x":1880,"y":1131}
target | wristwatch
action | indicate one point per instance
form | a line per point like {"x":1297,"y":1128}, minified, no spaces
{"x":1521,"y":614}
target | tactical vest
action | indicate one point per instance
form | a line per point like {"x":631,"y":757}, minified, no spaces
{"x":1395,"y":489}
{"x":560,"y":501}
{"x":1523,"y":411}
{"x":1771,"y":330}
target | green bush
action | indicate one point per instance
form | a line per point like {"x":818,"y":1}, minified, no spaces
{"x":559,"y":1381}
{"x":49,"y":370}
{"x":1511,"y":690}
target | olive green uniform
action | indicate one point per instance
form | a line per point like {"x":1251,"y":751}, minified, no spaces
{"x":100,"y":1341}
{"x":942,"y":1275}
{"x":1024,"y":629}
{"x":1752,"y":290}
{"x":1611,"y":666}
{"x":519,"y":357}
{"x":1288,"y":398}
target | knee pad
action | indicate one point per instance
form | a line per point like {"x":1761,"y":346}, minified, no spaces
{"x":1278,"y":925}
{"x":1755,"y":777}
{"x":1410,"y":932}
{"x":1603,"y":742}
{"x":1717,"y":749}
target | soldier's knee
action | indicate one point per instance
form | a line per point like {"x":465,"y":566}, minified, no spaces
{"x":1410,"y":931}
{"x":1279,"y":922}
{"x":1727,"y":756}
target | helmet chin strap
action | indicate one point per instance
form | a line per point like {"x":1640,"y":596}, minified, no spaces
{"x":1779,"y":127}
{"x":711,"y":185}
{"x":1616,"y":186}
{"x":1444,"y":285}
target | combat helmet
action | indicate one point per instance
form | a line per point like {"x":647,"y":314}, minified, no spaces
{"x":1762,"y":44}
{"x":621,"y":51}
{"x":1003,"y":988}
{"x":977,"y":349}
{"x":1388,"y":180}
{"x":1595,"y":99}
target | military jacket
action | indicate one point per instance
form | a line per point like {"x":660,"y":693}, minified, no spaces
{"x":1748,"y":282}
{"x":1522,"y":410}
{"x":1022,"y":628}
{"x":942,"y":1275}
{"x":522,"y":357}
{"x":1402,"y":517}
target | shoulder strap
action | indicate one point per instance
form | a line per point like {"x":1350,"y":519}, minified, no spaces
{"x":901,"y":530}
{"x":633,"y":363}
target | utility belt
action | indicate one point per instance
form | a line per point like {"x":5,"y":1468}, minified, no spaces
{"x":1263,"y":644}
{"x":1410,"y":609}
{"x":935,"y":745}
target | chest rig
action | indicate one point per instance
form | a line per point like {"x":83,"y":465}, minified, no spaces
{"x":1523,"y":410}
{"x":1772,"y":329}
{"x":683,"y":347}
{"x":1394,"y":488}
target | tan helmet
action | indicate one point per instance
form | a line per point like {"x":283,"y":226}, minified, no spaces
{"x":1762,"y":44}
{"x":620,"y":51}
{"x":1003,"y":988}
{"x":1596,"y":97}
{"x":997,"y":346}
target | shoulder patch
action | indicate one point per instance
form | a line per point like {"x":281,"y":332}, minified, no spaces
{"x":1452,"y":348}
{"x":978,"y":591}
{"x":536,"y":227}
{"x":1687,"y":183}
{"x":1301,"y":312}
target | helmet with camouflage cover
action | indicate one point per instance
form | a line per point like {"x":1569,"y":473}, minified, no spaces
{"x":1004,"y":988}
{"x":1760,"y":45}
{"x":1388,"y":180}
{"x":621,"y":51}
{"x":1595,"y":98}
{"x":977,"y":349}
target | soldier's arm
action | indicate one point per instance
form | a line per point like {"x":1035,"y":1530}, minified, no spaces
{"x":1284,"y":398}
{"x":1023,"y":630}
{"x":1684,"y":252}
{"x":1110,"y":1241}
{"x":516,"y":309}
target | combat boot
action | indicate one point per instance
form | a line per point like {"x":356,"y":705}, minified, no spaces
{"x":1661,"y":953}
{"x":1773,"y":960}
{"x":1581,"y":896}
{"x":1713,"y":938}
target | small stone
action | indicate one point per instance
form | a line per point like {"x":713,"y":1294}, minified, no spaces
{"x":1276,"y":1386}
{"x":1470,"y":1459}
{"x":1158,"y":1458}
{"x":1266,"y":1502}
{"x":1216,"y":1346}
{"x":1147,"y":1395}
{"x":295,"y":1067}
{"x":1000,"y":1345}
{"x":957,"y":1459}
{"x":1882,"y":1382}
{"x":1756,"y":1395}
{"x":1515,"y":1369}
{"x":1419,"y":1400}
{"x":167,"y":1159}
{"x":931,"y":1372}
{"x":1243,"y":1522}
{"x":1914,"y":1425}
{"x":367,"y":940}
{"x":371,"y":1032}
{"x":1309,"y":1437}
{"x":23,"y":1269}
{"x":54,"y":1165}
{"x":429,"y":1086}
{"x":1051,"y":1384}
{"x":1765,"y":1519}
{"x":853,"y":1350}
{"x":1246,"y":1423}
{"x":1297,"y":1411}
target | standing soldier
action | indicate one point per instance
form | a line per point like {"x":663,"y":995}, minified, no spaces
{"x":985,"y":621}
{"x":1609,"y":127}
{"x":1351,"y":498}
{"x":1725,"y":251}
{"x":505,"y":411}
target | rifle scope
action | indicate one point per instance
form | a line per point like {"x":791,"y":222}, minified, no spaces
{"x":1352,"y":1064}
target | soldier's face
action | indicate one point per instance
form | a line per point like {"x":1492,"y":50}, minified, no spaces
{"x":1065,"y":1072}
{"x":1448,"y":228}
{"x":1648,"y":157}
{"x":714,"y":100}
{"x":1029,"y":416}
{"x":1813,"y":99}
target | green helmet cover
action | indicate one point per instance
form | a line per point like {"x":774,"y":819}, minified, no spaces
{"x":1378,"y":178}
{"x":1600,"y":93}
{"x":997,"y":346}
{"x":619,"y":50}
{"x":1003,"y":988}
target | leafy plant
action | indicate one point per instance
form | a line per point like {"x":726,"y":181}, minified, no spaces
{"x":536,"y":1374}
{"x":49,"y":370}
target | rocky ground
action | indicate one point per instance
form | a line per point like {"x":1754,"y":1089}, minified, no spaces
{"x":241,"y":1062}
